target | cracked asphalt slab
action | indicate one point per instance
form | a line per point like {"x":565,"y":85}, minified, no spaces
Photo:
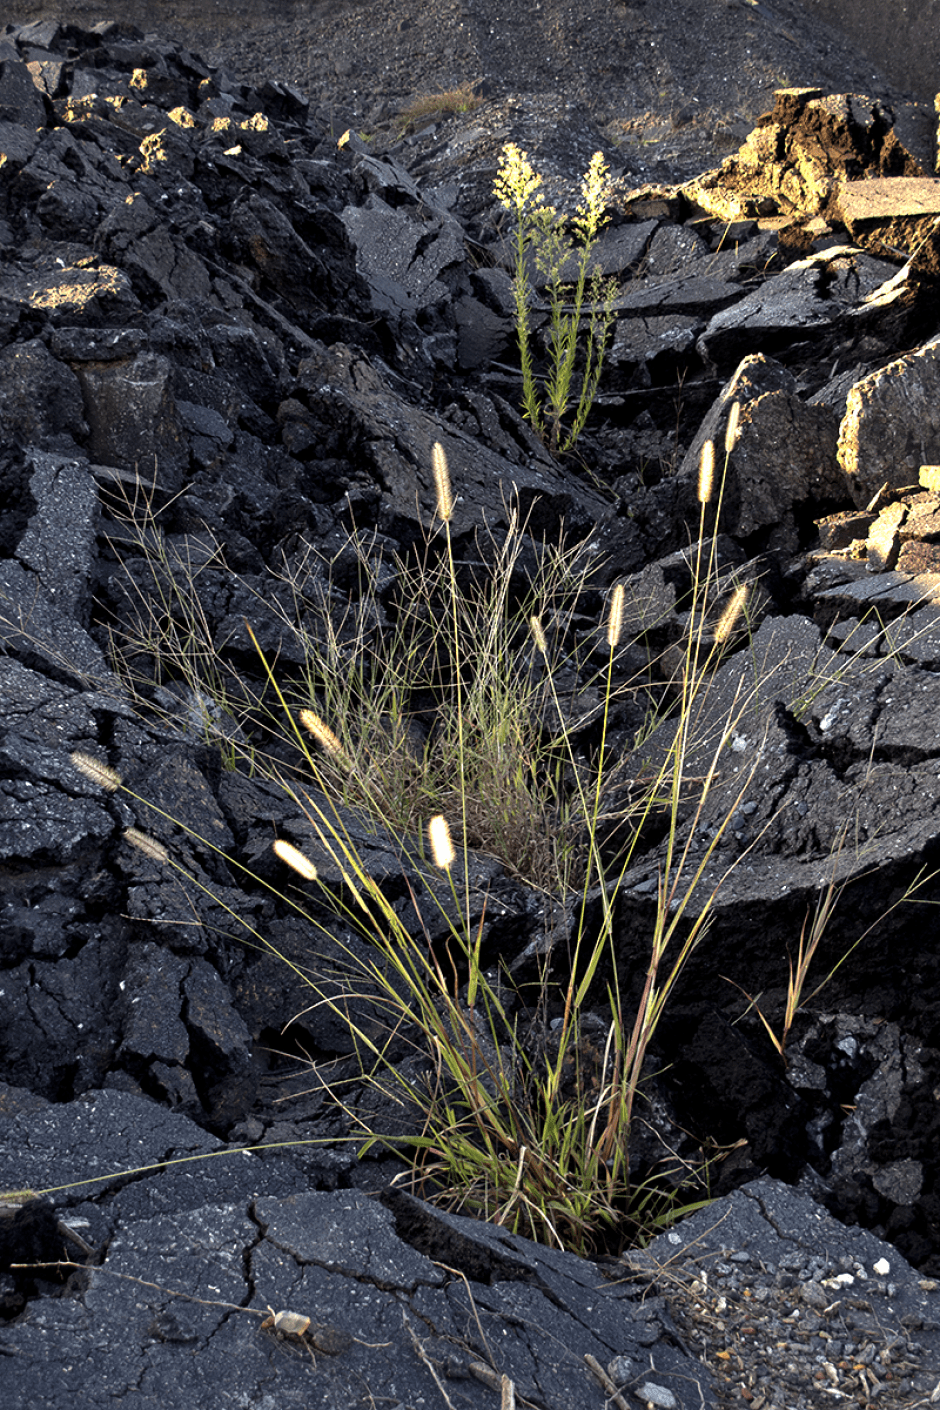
{"x":192,"y":1260}
{"x":229,"y":1283}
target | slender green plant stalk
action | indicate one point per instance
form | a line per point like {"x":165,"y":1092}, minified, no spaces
{"x":445,"y":510}
{"x":541,"y":236}
{"x":811,"y":935}
{"x":515,"y":188}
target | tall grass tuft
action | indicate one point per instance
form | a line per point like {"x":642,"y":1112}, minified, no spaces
{"x":512,"y":1109}
{"x":520,"y":1123}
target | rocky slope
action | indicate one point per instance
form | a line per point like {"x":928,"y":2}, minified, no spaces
{"x":678,"y":80}
{"x":221,"y":321}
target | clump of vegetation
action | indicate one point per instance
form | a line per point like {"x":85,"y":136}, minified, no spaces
{"x":562,"y":253}
{"x":512,"y":1106}
{"x":433,"y":105}
{"x":517,"y":1099}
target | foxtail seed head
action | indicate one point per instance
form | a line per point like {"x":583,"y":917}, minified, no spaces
{"x":101,"y":774}
{"x":615,"y":616}
{"x":148,"y":845}
{"x":706,"y":473}
{"x":295,"y":859}
{"x":535,"y":626}
{"x":731,"y":430}
{"x":729,"y":617}
{"x":321,"y":733}
{"x":445,"y":496}
{"x":442,"y":849}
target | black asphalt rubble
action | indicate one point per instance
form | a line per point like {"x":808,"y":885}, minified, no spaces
{"x":217,"y":310}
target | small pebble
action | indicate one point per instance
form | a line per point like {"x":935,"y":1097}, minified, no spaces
{"x":657,"y":1395}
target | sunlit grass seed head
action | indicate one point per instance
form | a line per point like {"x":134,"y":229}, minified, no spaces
{"x":615,"y":616}
{"x":706,"y":473}
{"x":445,"y":495}
{"x":101,"y":774}
{"x":538,"y":634}
{"x":322,"y":733}
{"x":442,"y":849}
{"x":295,"y":859}
{"x":731,"y":430}
{"x":729,"y":617}
{"x":148,"y":845}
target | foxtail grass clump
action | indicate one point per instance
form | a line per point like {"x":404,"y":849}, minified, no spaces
{"x":504,"y":1115}
{"x":445,"y":710}
{"x":505,"y":1133}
